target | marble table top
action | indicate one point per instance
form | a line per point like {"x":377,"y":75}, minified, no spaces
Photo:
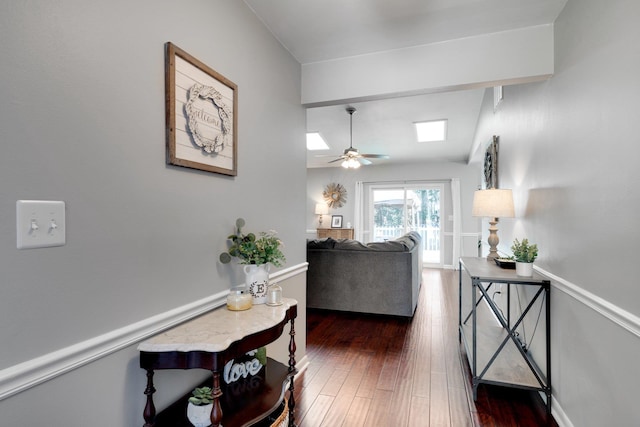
{"x":216,"y":330}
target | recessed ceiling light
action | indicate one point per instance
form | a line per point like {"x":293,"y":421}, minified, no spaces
{"x":315,"y":142}
{"x":431,"y":131}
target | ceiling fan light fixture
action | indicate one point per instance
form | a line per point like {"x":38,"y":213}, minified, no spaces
{"x":352,"y":159}
{"x":351,"y":163}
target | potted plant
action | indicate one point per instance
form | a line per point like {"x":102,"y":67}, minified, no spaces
{"x":200,"y":406}
{"x":255,"y":253}
{"x":524,"y":254}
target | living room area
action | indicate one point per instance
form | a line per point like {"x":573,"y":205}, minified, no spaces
{"x":85,"y":121}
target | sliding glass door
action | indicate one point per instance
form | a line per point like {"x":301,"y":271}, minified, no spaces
{"x":397,"y":209}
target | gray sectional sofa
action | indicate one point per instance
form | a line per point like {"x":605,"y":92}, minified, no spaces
{"x":377,"y":278}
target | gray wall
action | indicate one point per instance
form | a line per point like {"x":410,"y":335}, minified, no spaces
{"x":82,"y":120}
{"x":469,"y":175}
{"x":569,"y":149}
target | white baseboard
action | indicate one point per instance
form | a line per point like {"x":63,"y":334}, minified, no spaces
{"x":302,"y":365}
{"x":559,"y":415}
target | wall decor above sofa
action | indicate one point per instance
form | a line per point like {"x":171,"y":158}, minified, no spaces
{"x":335,"y":195}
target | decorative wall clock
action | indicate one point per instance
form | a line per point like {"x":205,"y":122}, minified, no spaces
{"x":491,"y":164}
{"x":335,"y":195}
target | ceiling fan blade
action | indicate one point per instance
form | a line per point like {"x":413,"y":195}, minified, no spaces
{"x":375,"y":156}
{"x":351,"y":153}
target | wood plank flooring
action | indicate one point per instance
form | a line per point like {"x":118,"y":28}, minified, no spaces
{"x":368,"y":370}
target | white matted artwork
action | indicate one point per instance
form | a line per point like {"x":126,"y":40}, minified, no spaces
{"x":201,"y":114}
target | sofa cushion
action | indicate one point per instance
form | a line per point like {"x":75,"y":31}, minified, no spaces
{"x":407,"y":240}
{"x":401,"y":244}
{"x":414,"y":235}
{"x":389,"y":246}
{"x":327,"y":243}
{"x":350,"y":245}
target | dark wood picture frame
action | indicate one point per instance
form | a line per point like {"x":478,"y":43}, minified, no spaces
{"x":491,"y":164}
{"x":336,"y":221}
{"x":201,"y":108}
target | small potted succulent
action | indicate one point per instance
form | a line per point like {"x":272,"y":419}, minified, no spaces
{"x":200,"y":406}
{"x":524,"y":254}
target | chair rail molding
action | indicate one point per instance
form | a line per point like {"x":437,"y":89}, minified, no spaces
{"x":619,"y":316}
{"x":23,"y":376}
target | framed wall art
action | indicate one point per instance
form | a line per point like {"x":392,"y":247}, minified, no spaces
{"x":201,"y":115}
{"x":336,"y":221}
{"x":335,"y":195}
{"x":491,"y":164}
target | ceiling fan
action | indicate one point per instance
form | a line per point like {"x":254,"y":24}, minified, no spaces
{"x":351,"y":158}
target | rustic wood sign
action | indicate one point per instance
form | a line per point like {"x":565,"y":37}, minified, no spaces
{"x":201,"y":115}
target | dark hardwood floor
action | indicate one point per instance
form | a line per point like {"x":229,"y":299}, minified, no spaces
{"x":372,"y":371}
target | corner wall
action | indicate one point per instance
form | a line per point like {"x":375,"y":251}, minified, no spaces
{"x":83,"y":121}
{"x":569,"y":150}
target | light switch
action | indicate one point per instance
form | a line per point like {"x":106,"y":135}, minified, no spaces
{"x":40,"y":224}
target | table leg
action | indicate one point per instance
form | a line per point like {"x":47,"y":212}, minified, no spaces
{"x":292,"y":370}
{"x":149,"y":413}
{"x":216,"y":411}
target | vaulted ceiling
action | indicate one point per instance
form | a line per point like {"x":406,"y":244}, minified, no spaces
{"x":319,"y":32}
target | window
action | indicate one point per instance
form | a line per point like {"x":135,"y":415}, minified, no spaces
{"x":397,"y":209}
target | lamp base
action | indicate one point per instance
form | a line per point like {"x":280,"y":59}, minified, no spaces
{"x":493,"y":240}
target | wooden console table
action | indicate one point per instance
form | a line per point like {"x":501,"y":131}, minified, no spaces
{"x":209,"y":342}
{"x":498,"y":354}
{"x":335,"y":233}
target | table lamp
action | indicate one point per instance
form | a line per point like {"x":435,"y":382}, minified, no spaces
{"x":493,"y":203}
{"x":321,"y":209}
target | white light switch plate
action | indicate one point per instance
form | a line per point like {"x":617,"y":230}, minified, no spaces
{"x":40,"y":224}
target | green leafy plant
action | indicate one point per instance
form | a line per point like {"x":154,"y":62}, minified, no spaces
{"x":249,"y":249}
{"x":261,"y":355}
{"x":523,"y":251}
{"x":201,"y":396}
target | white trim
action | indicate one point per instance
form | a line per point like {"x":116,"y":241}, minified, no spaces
{"x":621,"y":317}
{"x":358,"y":211}
{"x":21,"y":377}
{"x":290,"y":272}
{"x":558,"y":413}
{"x":302,"y":365}
{"x":457,"y":218}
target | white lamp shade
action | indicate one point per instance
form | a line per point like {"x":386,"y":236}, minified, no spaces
{"x":493,"y":203}
{"x":322,"y":209}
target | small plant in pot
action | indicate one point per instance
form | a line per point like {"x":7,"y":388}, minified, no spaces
{"x":524,"y":254}
{"x":256,"y":253}
{"x":199,"y":407}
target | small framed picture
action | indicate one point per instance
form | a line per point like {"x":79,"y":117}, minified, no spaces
{"x":336,"y":221}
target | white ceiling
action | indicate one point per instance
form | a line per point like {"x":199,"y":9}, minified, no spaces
{"x":321,"y":30}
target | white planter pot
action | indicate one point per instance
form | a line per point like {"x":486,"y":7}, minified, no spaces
{"x":257,"y":281}
{"x":199,"y":416}
{"x":524,"y":269}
